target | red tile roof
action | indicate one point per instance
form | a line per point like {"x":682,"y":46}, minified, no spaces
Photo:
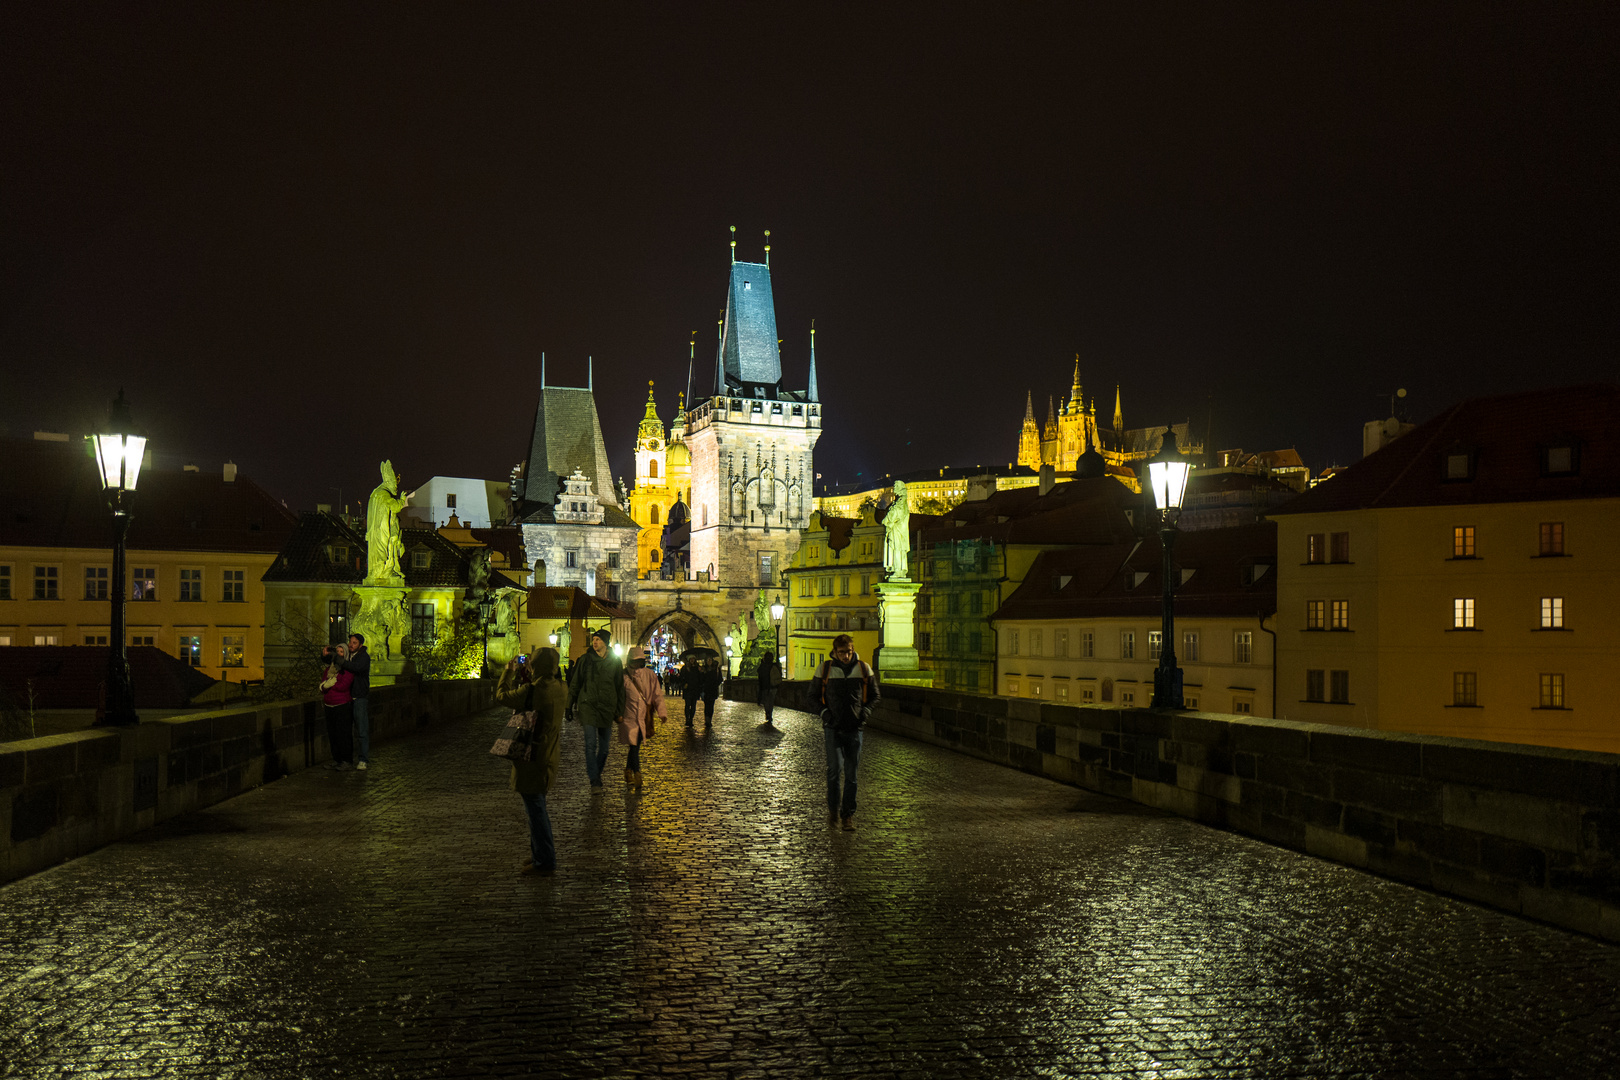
{"x":50,"y":496}
{"x":1506,"y":436}
{"x":1125,"y":579}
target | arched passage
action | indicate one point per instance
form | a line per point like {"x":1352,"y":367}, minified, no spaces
{"x":688,"y":628}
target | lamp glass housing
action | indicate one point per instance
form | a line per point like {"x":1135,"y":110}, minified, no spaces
{"x":776,"y":611}
{"x":1168,"y":471}
{"x":118,"y":460}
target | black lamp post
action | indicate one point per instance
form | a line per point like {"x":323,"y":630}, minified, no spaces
{"x":486,"y":608}
{"x":118,"y":463}
{"x":1168,"y":471}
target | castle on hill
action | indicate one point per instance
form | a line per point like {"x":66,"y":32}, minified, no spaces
{"x":1072,"y":435}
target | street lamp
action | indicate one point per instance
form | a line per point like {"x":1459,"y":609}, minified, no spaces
{"x":1168,"y":471}
{"x":118,"y":463}
{"x":486,"y":608}
{"x":777,"y":610}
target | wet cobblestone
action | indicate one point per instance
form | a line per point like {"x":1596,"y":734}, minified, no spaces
{"x":980,"y":923}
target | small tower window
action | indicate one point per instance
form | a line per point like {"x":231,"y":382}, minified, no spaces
{"x":654,"y":520}
{"x":652,"y":468}
{"x":747,"y":286}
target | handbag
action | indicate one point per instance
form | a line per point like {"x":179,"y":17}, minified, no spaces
{"x":517,"y":741}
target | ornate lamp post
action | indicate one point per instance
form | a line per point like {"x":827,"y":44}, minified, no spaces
{"x":118,"y":462}
{"x":486,"y":610}
{"x":1168,"y":471}
{"x":781,"y":644}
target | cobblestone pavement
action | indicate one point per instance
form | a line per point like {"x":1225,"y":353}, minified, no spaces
{"x":980,"y":923}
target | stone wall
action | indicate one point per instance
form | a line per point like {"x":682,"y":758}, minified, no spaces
{"x":65,"y":795}
{"x":1531,"y":830}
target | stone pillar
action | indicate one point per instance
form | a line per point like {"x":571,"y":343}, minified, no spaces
{"x":897,"y":660}
{"x":385,"y":621}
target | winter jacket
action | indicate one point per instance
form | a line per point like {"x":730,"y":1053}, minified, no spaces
{"x":359,"y":665}
{"x":643,"y":697}
{"x":711,"y":684}
{"x":339,"y":692}
{"x":768,"y":667}
{"x":845,"y":692}
{"x":692,"y":682}
{"x":547,"y":698}
{"x":597,"y":697}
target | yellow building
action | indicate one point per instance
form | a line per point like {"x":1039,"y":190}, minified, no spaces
{"x":829,"y":588}
{"x":663,"y":475}
{"x":1455,"y":581}
{"x":197,"y":548}
{"x":1085,"y":626}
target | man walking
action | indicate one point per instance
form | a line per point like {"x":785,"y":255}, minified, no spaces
{"x":846,"y":690}
{"x":770,"y":677}
{"x":596,"y":696}
{"x":359,"y":665}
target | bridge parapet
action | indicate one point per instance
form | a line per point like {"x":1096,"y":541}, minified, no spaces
{"x":1528,"y":829}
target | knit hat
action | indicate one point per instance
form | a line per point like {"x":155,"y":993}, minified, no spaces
{"x":604,"y":634}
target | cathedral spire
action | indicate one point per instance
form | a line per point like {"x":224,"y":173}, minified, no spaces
{"x":1077,"y":400}
{"x":1029,"y":406}
{"x":811,"y":392}
{"x":1051,"y":418}
{"x":1119,"y":416}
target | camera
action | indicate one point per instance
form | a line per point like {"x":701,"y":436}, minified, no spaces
{"x":523,"y":658}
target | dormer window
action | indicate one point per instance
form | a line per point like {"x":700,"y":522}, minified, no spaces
{"x":1458,"y":465}
{"x":1563,"y":459}
{"x":748,"y":286}
{"x":421,"y":560}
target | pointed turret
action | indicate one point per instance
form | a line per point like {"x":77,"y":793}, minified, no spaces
{"x":811,"y":391}
{"x":651,"y":429}
{"x":1051,"y":431}
{"x":1119,"y":415}
{"x":1077,"y":400}
{"x":678,"y":425}
{"x":1029,"y":439}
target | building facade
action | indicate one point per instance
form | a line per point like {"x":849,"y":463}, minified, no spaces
{"x":1085,"y":626}
{"x":1453,"y":582}
{"x":829,"y":590}
{"x":663,"y":477}
{"x":197,"y":547}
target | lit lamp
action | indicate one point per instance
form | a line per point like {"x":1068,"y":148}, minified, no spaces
{"x":118,"y":463}
{"x":553,"y":640}
{"x":777,"y":610}
{"x":1168,"y":471}
{"x":486,"y":608}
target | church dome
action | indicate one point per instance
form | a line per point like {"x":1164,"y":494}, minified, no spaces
{"x":678,"y":456}
{"x":1090,"y":465}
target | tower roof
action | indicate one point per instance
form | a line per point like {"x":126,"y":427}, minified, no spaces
{"x":748,"y":351}
{"x":567,"y":436}
{"x":651,"y":427}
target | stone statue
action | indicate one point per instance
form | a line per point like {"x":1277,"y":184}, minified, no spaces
{"x":762,"y":622}
{"x":564,"y":641}
{"x":897,"y":535}
{"x":506,"y":609}
{"x":383,"y":545}
{"x":478,"y":574}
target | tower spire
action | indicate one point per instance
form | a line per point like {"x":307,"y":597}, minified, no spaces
{"x":720,"y":346}
{"x":734,"y":245}
{"x":651,"y":428}
{"x":767,"y":247}
{"x":812,"y":393}
{"x":1077,"y":401}
{"x":1029,"y":406}
{"x":1119,"y":416}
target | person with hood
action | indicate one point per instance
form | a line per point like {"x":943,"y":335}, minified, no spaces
{"x":537,"y":687}
{"x":597,"y":701}
{"x":846,"y":690}
{"x":770,"y":677}
{"x":643,"y":700}
{"x":359,"y":665}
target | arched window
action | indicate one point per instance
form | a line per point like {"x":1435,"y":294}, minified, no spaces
{"x":655,"y":556}
{"x":654,"y":514}
{"x":652,"y":468}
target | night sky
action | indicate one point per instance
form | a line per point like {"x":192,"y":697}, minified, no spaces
{"x":308,"y":236}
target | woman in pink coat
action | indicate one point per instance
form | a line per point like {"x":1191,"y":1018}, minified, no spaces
{"x":643,"y":700}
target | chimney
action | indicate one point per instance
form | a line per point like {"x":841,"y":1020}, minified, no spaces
{"x":1048,"y":477}
{"x":230,"y":472}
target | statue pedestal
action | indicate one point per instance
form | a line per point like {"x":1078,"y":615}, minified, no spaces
{"x":897,"y":660}
{"x":383,"y":621}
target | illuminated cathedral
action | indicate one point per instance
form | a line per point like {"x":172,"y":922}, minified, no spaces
{"x":1072,"y":433}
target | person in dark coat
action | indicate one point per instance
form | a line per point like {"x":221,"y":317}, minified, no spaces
{"x":336,"y":685}
{"x":359,"y":665}
{"x":711,"y":690}
{"x":846,"y":689}
{"x":770,"y":677}
{"x":537,"y":688}
{"x":691,"y":686}
{"x":596,"y":695}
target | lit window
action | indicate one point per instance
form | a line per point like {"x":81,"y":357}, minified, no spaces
{"x":45,"y":639}
{"x":1341,"y":615}
{"x":1465,"y":688}
{"x":143,"y":585}
{"x":1155,"y":644}
{"x":1552,"y":691}
{"x":191,"y":649}
{"x":1552,"y":538}
{"x":1462,"y":542}
{"x":1012,"y":687}
{"x":1462,"y":613}
{"x":1552,"y":612}
{"x":232,"y":650}
{"x":1314,"y":613}
{"x":1316,"y":548}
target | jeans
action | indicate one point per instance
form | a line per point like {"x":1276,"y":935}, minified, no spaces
{"x":633,"y":761}
{"x":843,"y":752}
{"x":767,"y":701}
{"x":541,"y":846}
{"x":597,"y":742}
{"x":362,"y":728}
{"x":340,"y":731}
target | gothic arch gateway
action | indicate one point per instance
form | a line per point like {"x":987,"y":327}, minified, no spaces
{"x":692,"y":627}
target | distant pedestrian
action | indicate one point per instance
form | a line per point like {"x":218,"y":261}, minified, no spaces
{"x":359,"y":665}
{"x":643,"y":701}
{"x":336,"y":696}
{"x":846,"y":690}
{"x":597,"y":699}
{"x":711,"y":690}
{"x":692,"y":678}
{"x":770,"y":677}
{"x":537,"y":687}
